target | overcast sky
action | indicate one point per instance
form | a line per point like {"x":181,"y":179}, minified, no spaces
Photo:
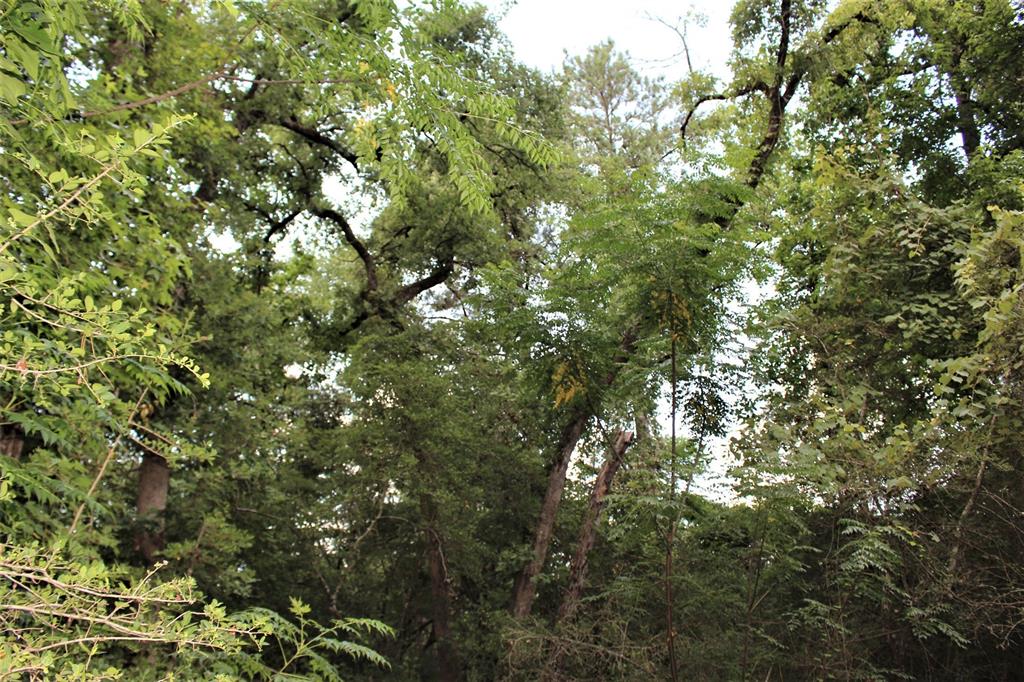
{"x":543,"y":30}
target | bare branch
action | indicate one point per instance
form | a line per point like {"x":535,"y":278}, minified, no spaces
{"x":316,"y":137}
{"x":276,"y":225}
{"x":369,"y":263}
{"x":758,"y":86}
{"x":438,"y":276}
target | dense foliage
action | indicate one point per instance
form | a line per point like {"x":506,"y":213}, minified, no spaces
{"x":338,"y":344}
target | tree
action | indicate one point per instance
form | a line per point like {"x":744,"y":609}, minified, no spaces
{"x":315,"y":308}
{"x":874,"y":320}
{"x":81,"y":329}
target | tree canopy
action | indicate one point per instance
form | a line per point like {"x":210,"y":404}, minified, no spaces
{"x":339,"y":344}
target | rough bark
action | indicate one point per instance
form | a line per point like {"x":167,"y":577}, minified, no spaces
{"x":525,"y":588}
{"x":588,"y":531}
{"x":154,"y":482}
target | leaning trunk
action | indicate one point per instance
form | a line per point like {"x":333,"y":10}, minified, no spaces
{"x":525,"y":588}
{"x":588,"y":531}
{"x":587,"y":537}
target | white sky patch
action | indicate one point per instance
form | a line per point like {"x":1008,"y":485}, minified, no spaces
{"x":224,"y":242}
{"x":543,"y":31}
{"x":361,"y":201}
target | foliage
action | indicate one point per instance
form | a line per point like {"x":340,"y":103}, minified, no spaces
{"x":315,"y":308}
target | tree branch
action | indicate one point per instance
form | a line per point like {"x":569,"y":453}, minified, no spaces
{"x":758,"y":86}
{"x":775,"y":98}
{"x":369,"y":263}
{"x":276,"y":226}
{"x":316,"y":137}
{"x":438,"y":276}
{"x":779,"y":93}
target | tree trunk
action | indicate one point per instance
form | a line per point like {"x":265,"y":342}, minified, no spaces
{"x":12,"y":441}
{"x":588,"y":531}
{"x":525,"y":588}
{"x":585,"y":543}
{"x":449,"y":667}
{"x":966,"y":120}
{"x":154,"y":482}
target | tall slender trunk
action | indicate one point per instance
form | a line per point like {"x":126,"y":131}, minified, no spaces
{"x":753,"y":587}
{"x":154,"y":483}
{"x":588,"y":530}
{"x":779,"y":95}
{"x":670,"y":535}
{"x":525,"y":588}
{"x":585,"y":543}
{"x":449,"y":668}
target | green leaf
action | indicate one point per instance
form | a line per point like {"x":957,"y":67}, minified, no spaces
{"x":36,"y":36}
{"x":22,"y":218}
{"x":298,"y":607}
{"x":11,"y":88}
{"x":140,"y":136}
{"x":25,"y":56}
